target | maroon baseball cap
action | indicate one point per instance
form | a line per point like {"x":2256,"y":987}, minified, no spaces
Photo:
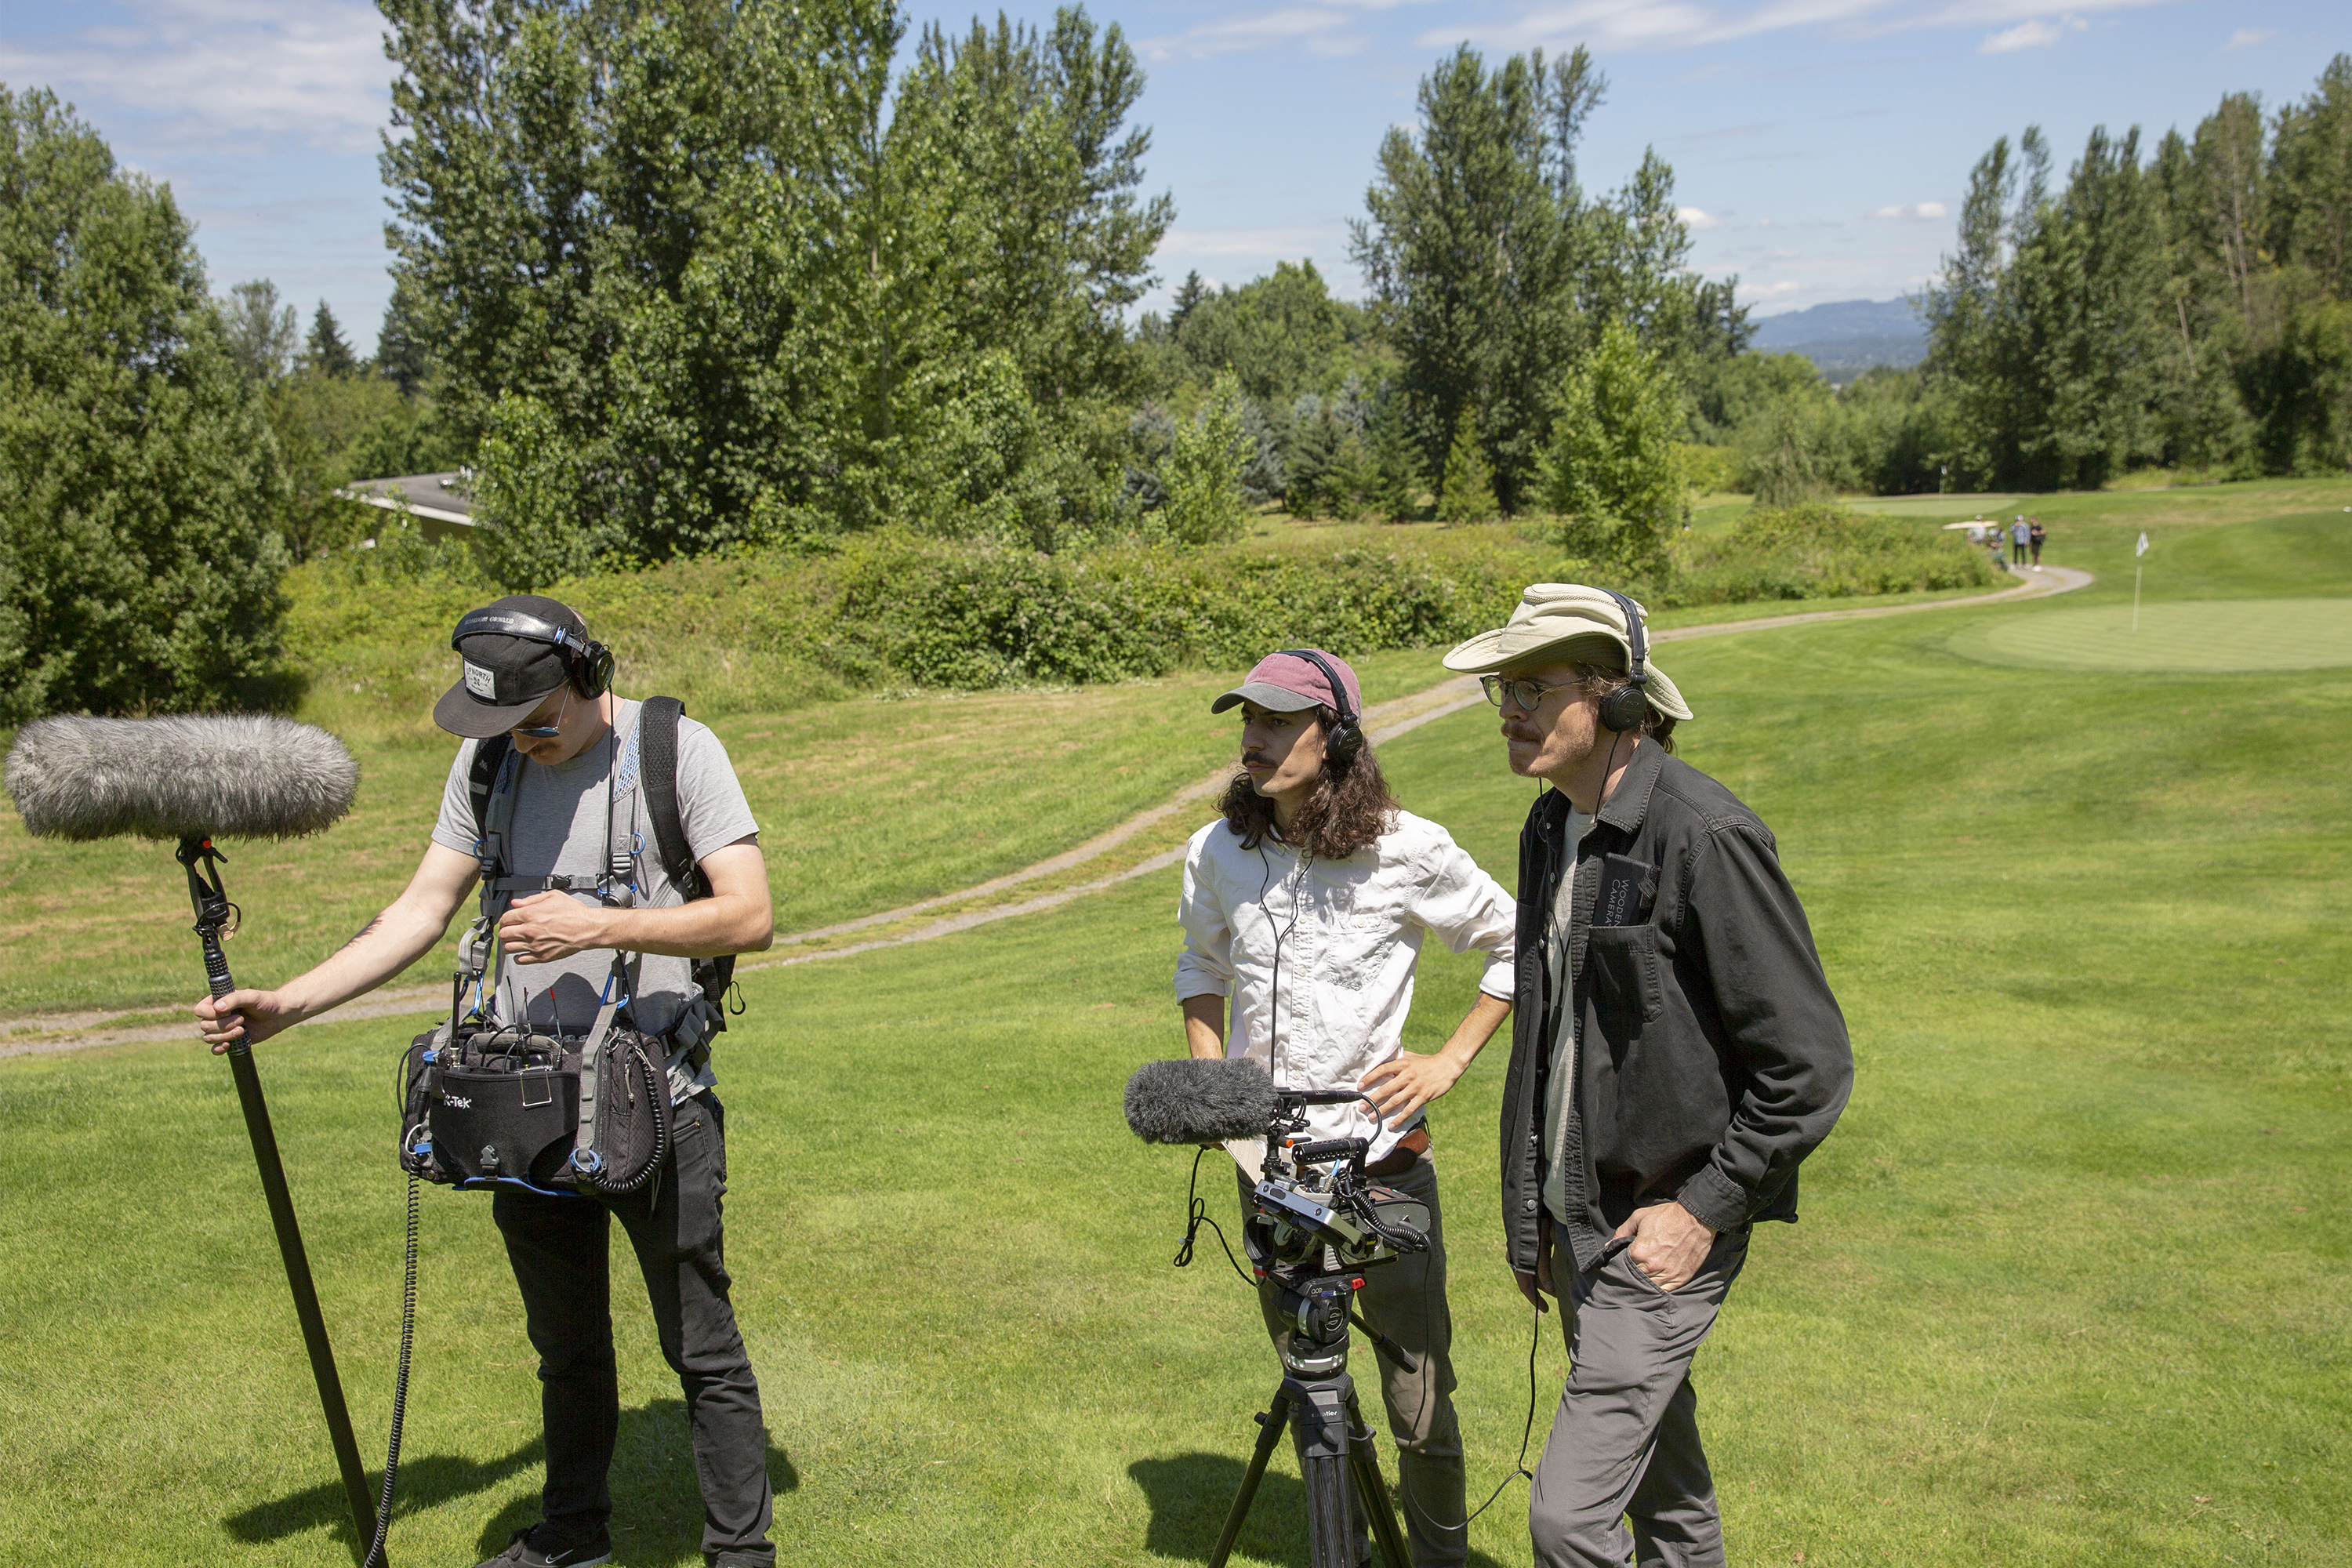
{"x":1289,"y":682}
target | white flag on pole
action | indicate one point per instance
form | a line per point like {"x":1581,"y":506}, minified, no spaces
{"x":2143,"y":546}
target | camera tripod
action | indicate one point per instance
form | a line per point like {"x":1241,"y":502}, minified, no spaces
{"x":1317,"y":1401}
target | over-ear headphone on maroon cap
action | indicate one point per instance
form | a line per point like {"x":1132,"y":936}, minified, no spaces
{"x":588,"y":661}
{"x":1346,"y":736}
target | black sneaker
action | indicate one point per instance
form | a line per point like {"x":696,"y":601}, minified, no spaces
{"x":544,"y":1546}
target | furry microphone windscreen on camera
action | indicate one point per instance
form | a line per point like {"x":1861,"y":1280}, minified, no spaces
{"x":1194,"y":1100}
{"x":228,"y":775}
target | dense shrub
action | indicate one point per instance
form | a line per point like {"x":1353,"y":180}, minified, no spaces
{"x":1819,"y":551}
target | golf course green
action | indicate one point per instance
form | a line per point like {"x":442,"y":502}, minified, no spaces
{"x":2072,"y":1283}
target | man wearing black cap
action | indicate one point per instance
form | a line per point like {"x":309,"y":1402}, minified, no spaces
{"x":578,"y":818}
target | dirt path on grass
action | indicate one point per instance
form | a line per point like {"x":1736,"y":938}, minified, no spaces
{"x":1149,"y":841}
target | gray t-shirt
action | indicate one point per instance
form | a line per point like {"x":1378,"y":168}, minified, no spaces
{"x":559,"y":829}
{"x":1557,"y":1103}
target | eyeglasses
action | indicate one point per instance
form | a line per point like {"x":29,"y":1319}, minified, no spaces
{"x":1525,"y":693}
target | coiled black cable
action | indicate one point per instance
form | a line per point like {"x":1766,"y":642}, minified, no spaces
{"x":374,"y":1557}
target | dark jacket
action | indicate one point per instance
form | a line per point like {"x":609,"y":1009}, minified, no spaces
{"x":1713,"y":1057}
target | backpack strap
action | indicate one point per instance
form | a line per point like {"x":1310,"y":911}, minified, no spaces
{"x":490,"y":786}
{"x":657,"y":731}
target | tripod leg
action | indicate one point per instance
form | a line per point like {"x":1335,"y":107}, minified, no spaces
{"x":1363,"y":1461}
{"x":1330,"y":1510}
{"x":1276,"y":1417}
{"x":297,"y":1264}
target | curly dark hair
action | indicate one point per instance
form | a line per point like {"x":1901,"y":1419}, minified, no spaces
{"x":1349,"y":811}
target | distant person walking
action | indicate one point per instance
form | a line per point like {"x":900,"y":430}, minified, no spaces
{"x":2018,"y":536}
{"x":2035,"y":534}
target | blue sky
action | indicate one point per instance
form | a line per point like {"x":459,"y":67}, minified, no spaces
{"x":1820,"y":147}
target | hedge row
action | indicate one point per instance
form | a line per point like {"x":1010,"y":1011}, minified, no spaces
{"x":892,"y":609}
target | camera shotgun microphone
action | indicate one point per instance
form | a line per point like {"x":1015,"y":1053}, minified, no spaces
{"x":193,"y":777}
{"x":1200,"y":1100}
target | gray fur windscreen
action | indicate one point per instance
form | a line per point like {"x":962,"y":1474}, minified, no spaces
{"x":1193,"y":1100}
{"x":228,"y":775}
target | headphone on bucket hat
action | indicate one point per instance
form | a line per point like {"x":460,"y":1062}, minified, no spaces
{"x":1626,"y":708}
{"x":587,"y":661}
{"x":1346,"y":736}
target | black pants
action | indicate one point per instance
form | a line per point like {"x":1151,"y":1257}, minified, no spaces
{"x":561,"y":1261}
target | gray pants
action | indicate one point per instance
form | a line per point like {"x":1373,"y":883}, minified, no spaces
{"x":1624,"y":1446}
{"x":1405,"y":1299}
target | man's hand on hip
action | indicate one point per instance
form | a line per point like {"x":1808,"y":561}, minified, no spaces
{"x":1670,"y":1243}
{"x":1400,"y":1086}
{"x":545,"y":927}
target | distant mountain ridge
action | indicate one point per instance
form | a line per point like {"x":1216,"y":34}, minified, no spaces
{"x":1848,"y":336}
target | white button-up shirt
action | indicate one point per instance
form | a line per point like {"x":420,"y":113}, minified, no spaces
{"x":1348,"y":936}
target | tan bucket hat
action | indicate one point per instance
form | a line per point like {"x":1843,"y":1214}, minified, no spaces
{"x":1565,"y":623}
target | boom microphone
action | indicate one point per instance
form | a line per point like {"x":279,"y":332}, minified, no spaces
{"x":193,"y":777}
{"x":1197,"y":1100}
{"x":232,"y":776}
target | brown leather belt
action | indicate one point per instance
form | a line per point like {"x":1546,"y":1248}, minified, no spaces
{"x":1408,"y":1148}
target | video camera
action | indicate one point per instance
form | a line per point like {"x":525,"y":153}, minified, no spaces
{"x":1316,"y":1220}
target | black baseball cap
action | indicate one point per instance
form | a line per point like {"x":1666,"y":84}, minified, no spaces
{"x":505,"y":678}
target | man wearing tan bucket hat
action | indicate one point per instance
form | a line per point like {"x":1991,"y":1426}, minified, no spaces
{"x":1676,"y":1053}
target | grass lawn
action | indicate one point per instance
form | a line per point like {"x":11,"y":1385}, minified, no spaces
{"x":864,"y":805}
{"x":2072,"y":1284}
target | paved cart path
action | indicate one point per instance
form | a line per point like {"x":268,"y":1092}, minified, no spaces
{"x":1133,"y":848}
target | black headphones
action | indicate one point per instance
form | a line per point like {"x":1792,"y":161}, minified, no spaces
{"x":1346,"y":736}
{"x":589,"y":661}
{"x":1626,"y":708}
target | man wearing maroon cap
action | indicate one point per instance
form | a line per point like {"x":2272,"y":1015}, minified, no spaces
{"x":1308,"y":903}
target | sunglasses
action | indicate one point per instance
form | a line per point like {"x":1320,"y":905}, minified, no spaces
{"x":547,"y":732}
{"x":1525,"y":693}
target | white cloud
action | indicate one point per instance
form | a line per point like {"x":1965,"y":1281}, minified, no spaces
{"x":1696,"y":221}
{"x":1320,"y":29}
{"x":226,"y":68}
{"x":2245,"y":38}
{"x":1292,"y":239}
{"x":1677,"y":24}
{"x":1930,"y":209}
{"x":1927,"y":210}
{"x":2024,"y":36}
{"x":1764,"y":292}
{"x":2032,"y":35}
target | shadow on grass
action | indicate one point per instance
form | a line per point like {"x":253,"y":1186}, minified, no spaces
{"x":656,"y":1494}
{"x":1191,"y":1494}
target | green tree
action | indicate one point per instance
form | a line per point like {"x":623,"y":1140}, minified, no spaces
{"x":1610,"y":471}
{"x":139,"y":482}
{"x":325,"y":349}
{"x":726,"y":257}
{"x":261,"y":331}
{"x":1467,"y":491}
{"x":1203,"y":473}
{"x":1491,"y":269}
{"x":1394,"y":478}
{"x":2046,"y":323}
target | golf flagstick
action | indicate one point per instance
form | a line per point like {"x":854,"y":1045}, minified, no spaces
{"x":2137,"y":567}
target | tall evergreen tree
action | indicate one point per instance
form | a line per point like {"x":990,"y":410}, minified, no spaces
{"x":325,"y":351}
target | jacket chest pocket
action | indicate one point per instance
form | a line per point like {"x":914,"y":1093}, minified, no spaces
{"x":1624,"y":963}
